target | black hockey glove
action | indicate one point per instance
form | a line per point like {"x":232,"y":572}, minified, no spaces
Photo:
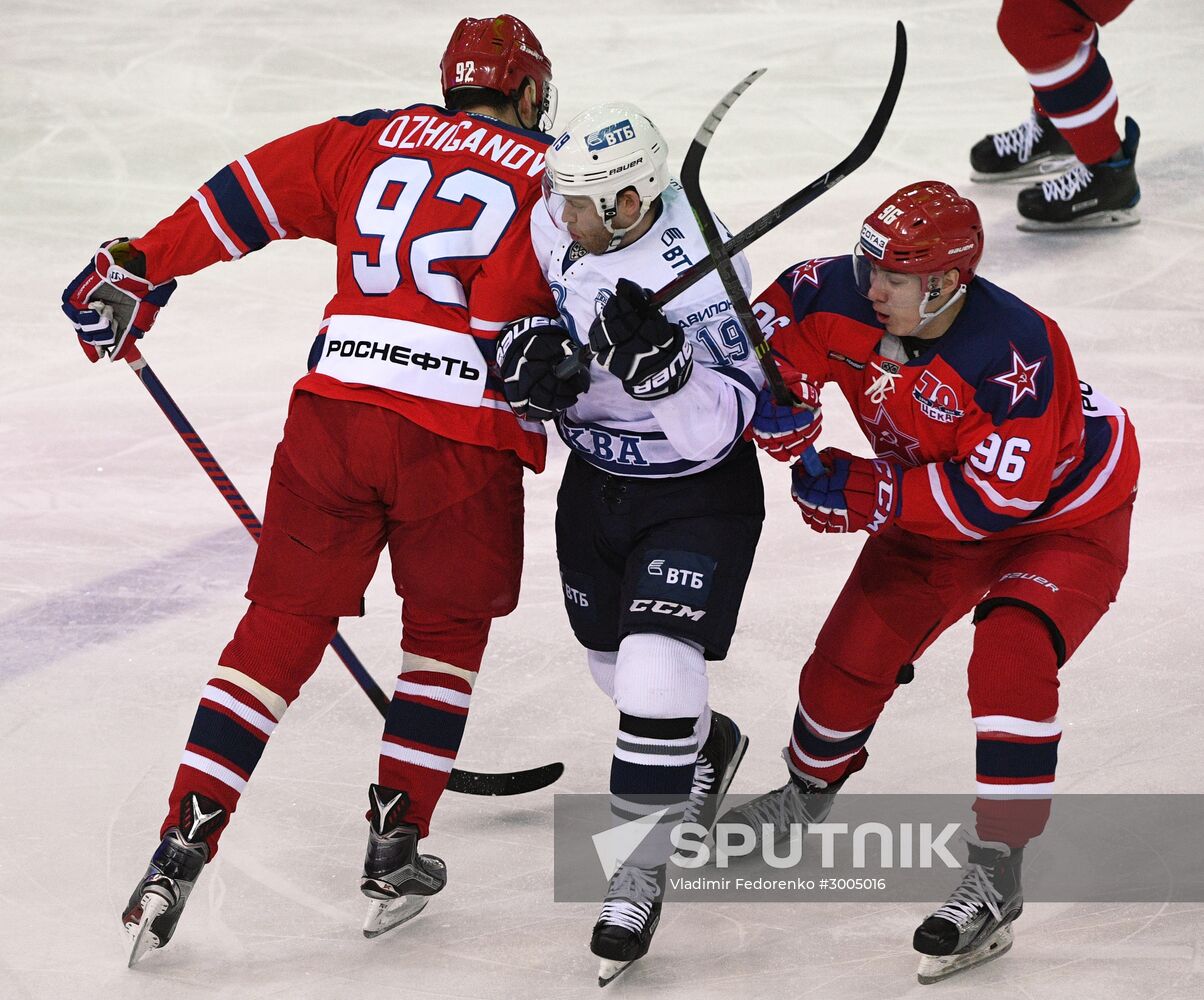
{"x":633,"y":341}
{"x":527,"y":355}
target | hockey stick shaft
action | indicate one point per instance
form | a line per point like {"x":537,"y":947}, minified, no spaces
{"x":470,"y":782}
{"x":781,"y":212}
{"x":691,"y":184}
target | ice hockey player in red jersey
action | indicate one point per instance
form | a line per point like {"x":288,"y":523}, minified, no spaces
{"x":397,"y":436}
{"x":1001,"y":485}
{"x":1073,"y":115}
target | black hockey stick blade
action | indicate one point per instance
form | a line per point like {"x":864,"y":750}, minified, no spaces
{"x":504,"y":782}
{"x":487,"y":782}
{"x":780,"y":213}
{"x":467,"y":782}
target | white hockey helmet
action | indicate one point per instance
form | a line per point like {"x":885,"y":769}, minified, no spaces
{"x":607,"y":149}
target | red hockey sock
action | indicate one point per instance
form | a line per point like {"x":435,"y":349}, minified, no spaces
{"x":260,"y":673}
{"x":1014,"y":700}
{"x":835,"y":716}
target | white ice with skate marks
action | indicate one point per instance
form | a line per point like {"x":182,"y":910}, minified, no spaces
{"x":124,"y":570}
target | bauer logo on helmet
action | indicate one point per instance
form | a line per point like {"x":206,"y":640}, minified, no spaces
{"x":624,"y":167}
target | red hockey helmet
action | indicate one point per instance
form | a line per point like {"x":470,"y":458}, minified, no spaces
{"x":924,"y":228}
{"x":499,"y":53}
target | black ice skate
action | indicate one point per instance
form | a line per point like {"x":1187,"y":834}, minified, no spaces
{"x":975,"y":925}
{"x":630,"y":913}
{"x":714,"y":770}
{"x":158,"y":900}
{"x":396,"y":877}
{"x":1032,"y":148}
{"x":797,"y":804}
{"x":1100,"y":196}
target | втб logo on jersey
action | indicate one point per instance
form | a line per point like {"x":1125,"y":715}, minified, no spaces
{"x":610,"y":135}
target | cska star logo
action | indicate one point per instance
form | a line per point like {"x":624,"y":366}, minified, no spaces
{"x":1022,"y":379}
{"x":808,"y":271}
{"x":888,"y":440}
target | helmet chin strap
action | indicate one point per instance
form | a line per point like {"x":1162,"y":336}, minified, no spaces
{"x":934,"y":293}
{"x":616,"y":235}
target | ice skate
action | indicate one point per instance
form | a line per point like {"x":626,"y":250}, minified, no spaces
{"x":1100,"y":196}
{"x":630,"y":913}
{"x":717,"y":764}
{"x":1032,"y":148}
{"x":975,"y":925}
{"x":798,"y":803}
{"x":397,"y":879}
{"x":158,"y":900}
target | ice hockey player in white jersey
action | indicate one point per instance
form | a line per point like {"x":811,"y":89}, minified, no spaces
{"x":661,"y":504}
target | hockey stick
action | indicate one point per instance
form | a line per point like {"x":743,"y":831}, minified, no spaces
{"x":468,"y":782}
{"x":690,"y":168}
{"x":780,"y":213}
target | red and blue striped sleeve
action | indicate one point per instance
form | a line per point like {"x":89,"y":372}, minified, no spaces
{"x":283,"y":190}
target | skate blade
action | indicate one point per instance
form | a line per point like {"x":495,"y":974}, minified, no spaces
{"x":1042,"y":168}
{"x":1114,"y":219}
{"x":934,"y":968}
{"x":385,"y":914}
{"x":145,"y":940}
{"x":610,"y":970}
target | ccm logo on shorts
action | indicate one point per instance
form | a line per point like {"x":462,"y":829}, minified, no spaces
{"x":671,"y":608}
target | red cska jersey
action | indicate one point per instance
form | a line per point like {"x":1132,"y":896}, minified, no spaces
{"x":429,"y":212}
{"x":992,"y":424}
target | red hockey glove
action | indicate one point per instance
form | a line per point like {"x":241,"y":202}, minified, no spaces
{"x":110,"y":304}
{"x":854,"y":494}
{"x":786,"y":432}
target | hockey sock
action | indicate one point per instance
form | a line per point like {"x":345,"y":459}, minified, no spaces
{"x":260,"y":673}
{"x":1072,"y":85}
{"x":1014,"y":700}
{"x":602,"y":669}
{"x":661,"y":691}
{"x":835,"y":715}
{"x":423,"y":730}
{"x":652,"y":770}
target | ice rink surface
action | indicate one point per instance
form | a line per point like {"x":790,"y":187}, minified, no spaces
{"x":123,"y":570}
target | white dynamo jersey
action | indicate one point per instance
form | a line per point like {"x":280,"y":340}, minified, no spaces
{"x":697,"y":426}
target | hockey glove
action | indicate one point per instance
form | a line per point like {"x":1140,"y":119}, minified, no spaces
{"x":111,"y":304}
{"x":786,"y":432}
{"x":634,"y":342}
{"x":527,"y":356}
{"x":854,"y":494}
